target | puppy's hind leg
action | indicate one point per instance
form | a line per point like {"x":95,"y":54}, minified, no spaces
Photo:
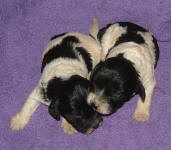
{"x":142,"y":112}
{"x":21,"y":119}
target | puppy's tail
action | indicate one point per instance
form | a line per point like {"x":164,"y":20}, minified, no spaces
{"x":93,"y":31}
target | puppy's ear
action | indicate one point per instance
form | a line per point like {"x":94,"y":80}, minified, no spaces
{"x":141,"y":90}
{"x":53,"y":110}
{"x":53,"y":88}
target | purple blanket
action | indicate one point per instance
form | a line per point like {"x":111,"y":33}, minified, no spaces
{"x":25,"y":28}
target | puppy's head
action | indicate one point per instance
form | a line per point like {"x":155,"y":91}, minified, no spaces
{"x":114,"y":81}
{"x":69,"y":101}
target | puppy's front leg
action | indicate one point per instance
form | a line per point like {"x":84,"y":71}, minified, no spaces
{"x":21,"y":119}
{"x":142,"y":111}
{"x":67,"y":127}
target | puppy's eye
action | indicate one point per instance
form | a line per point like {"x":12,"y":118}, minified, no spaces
{"x":78,"y":117}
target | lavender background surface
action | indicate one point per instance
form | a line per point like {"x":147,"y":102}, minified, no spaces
{"x":25,"y":28}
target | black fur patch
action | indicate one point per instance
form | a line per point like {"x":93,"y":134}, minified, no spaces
{"x":86,"y":56}
{"x":132,"y":27}
{"x":102,"y":32}
{"x":157,"y":51}
{"x":131,"y":34}
{"x":64,"y":49}
{"x":56,"y":36}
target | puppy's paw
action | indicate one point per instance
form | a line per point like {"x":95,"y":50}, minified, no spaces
{"x":18,"y":122}
{"x":141,"y":116}
{"x":68,"y":129}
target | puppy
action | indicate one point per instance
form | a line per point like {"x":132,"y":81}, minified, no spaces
{"x":64,"y":86}
{"x":131,"y":57}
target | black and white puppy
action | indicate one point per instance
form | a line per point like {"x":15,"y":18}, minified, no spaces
{"x":64,"y":86}
{"x":128,"y":69}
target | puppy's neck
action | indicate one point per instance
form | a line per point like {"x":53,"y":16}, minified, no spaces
{"x":64,"y":68}
{"x":138,"y":54}
{"x":130,"y":50}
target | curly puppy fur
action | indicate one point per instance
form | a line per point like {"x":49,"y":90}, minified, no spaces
{"x":66,"y":64}
{"x":128,"y":69}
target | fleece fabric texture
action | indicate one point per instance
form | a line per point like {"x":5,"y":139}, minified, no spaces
{"x":25,"y":28}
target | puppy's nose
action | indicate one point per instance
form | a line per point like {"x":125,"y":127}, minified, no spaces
{"x":101,"y":120}
{"x":93,"y":105}
{"x":97,"y":125}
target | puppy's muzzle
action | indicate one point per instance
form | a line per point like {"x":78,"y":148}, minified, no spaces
{"x":101,"y":107}
{"x":93,"y":105}
{"x":96,"y":124}
{"x":99,"y":104}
